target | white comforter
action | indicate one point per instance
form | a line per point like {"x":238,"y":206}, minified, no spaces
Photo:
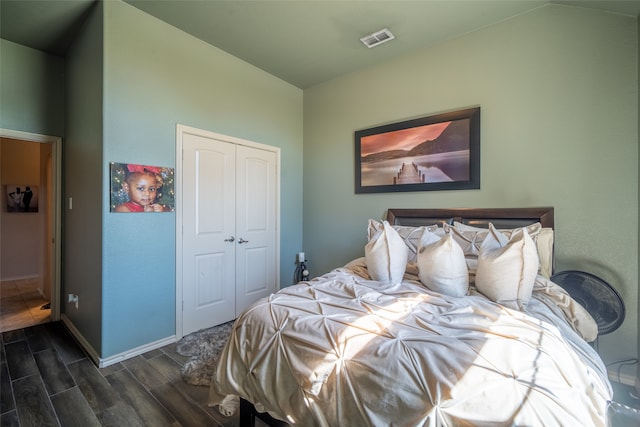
{"x":343,"y":350}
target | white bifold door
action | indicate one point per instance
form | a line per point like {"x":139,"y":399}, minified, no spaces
{"x":229,"y":230}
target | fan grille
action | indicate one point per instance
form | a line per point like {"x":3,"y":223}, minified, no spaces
{"x":597,"y":297}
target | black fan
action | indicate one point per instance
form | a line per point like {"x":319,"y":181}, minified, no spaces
{"x":598,"y":297}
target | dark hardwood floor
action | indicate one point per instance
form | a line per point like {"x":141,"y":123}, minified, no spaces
{"x":47,"y":380}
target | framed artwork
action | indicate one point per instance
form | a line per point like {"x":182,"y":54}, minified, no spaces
{"x":141,"y":188}
{"x":439,"y":152}
{"x":22,"y":198}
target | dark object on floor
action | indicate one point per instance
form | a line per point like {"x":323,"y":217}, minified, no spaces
{"x":598,"y":297}
{"x":248,"y":415}
{"x":623,"y":415}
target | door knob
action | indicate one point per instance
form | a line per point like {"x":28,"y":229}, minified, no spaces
{"x":230,"y":239}
{"x":241,"y":241}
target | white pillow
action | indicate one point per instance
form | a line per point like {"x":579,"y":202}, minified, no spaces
{"x":544,"y":242}
{"x":470,"y":239}
{"x":507,"y":268}
{"x":441,"y":265}
{"x":543,"y":236}
{"x":386,"y":255}
{"x":410,"y":235}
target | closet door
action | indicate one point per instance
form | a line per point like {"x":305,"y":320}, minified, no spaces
{"x":256,"y":225}
{"x":208,"y":232}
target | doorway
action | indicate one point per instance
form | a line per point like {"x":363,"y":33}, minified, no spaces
{"x":30,"y":226}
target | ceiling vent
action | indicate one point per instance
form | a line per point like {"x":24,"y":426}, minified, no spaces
{"x":377,"y":38}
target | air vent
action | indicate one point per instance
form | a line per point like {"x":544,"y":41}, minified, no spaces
{"x":377,"y":38}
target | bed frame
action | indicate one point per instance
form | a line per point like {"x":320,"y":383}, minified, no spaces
{"x":476,"y":217}
{"x":500,"y":217}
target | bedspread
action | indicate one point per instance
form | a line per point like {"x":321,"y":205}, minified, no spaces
{"x":344,"y":350}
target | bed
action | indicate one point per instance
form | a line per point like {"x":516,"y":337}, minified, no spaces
{"x":356,"y":347}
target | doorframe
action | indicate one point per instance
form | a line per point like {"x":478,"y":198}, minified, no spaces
{"x":55,"y":223}
{"x":181,"y":131}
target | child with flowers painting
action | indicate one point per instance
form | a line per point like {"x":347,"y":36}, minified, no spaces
{"x":142,"y":184}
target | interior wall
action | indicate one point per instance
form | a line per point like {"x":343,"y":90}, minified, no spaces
{"x":637,"y":381}
{"x":22,"y":245}
{"x":558,"y":91}
{"x":82,"y":195}
{"x":156,"y":77}
{"x":31,"y":90}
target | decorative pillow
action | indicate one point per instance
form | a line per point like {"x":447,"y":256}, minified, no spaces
{"x":470,"y":239}
{"x":507,"y":267}
{"x":544,"y":242}
{"x":543,"y":236}
{"x":386,"y":255}
{"x":441,"y":265}
{"x":410,"y":235}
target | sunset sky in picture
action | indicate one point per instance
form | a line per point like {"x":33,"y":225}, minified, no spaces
{"x":404,"y":139}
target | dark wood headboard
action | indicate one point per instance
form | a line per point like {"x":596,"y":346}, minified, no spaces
{"x":477,"y":217}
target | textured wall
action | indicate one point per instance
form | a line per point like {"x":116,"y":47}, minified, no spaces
{"x":559,"y":127}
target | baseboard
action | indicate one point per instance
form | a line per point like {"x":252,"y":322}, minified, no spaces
{"x":104,"y":362}
{"x":626,"y":379}
{"x":80,"y":338}
{"x":11,"y":279}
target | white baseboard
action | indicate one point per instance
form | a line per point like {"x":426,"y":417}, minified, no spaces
{"x":104,"y":362}
{"x":622,"y":378}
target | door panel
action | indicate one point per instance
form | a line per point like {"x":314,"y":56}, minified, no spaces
{"x":210,"y":184}
{"x":208,"y":280}
{"x":255,"y":280}
{"x":208,"y":283}
{"x":256,"y":225}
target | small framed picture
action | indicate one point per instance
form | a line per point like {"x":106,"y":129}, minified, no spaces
{"x":22,"y":198}
{"x":141,"y":188}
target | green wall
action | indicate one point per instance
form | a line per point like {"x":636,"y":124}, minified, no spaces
{"x":128,"y":80}
{"x":559,"y":127}
{"x":82,"y":182}
{"x":155,"y":77}
{"x":32,"y":94}
{"x":558,"y":89}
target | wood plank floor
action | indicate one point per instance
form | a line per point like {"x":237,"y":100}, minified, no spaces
{"x":47,"y":380}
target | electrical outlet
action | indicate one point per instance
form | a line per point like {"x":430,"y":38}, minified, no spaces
{"x":73,"y":299}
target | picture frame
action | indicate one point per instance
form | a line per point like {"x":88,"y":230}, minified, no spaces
{"x":141,"y":188}
{"x":438,"y":152}
{"x":22,"y":198}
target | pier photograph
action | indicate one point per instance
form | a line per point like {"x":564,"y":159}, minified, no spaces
{"x":432,"y":153}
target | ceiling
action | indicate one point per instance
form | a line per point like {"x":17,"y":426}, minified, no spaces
{"x":304,"y":42}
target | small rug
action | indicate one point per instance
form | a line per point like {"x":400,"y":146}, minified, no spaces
{"x":204,"y":347}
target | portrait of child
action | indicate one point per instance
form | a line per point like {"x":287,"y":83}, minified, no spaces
{"x":140,"y":188}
